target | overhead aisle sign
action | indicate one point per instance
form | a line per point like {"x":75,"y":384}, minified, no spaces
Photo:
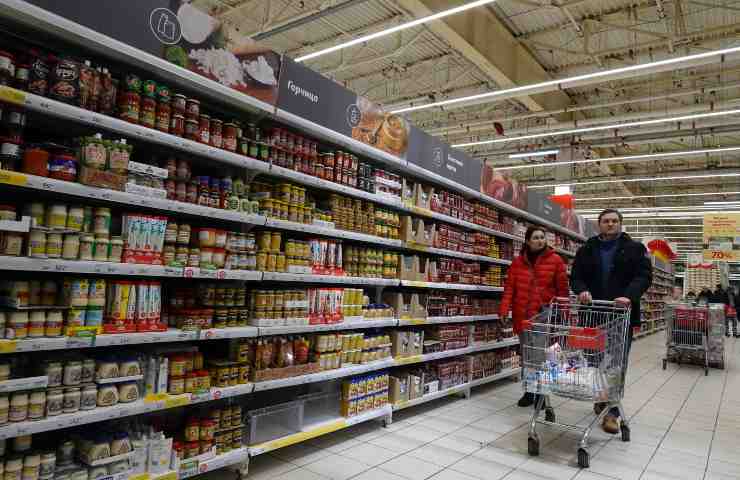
{"x":721,"y":237}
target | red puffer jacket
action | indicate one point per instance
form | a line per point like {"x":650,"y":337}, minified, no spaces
{"x":528,"y":288}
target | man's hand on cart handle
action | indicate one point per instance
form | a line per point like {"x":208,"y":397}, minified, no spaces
{"x":585,"y":297}
{"x":623,"y":301}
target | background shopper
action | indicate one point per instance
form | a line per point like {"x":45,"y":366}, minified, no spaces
{"x":536,"y":276}
{"x":612,"y":266}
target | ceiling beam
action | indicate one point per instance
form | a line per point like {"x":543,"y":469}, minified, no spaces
{"x":486,"y":42}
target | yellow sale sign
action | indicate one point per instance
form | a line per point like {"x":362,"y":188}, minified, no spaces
{"x":721,"y":237}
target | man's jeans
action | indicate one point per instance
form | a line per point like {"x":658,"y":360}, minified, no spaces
{"x":615,"y":411}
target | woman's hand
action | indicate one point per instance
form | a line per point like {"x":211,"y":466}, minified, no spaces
{"x":585,"y":297}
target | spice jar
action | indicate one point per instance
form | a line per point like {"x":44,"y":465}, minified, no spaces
{"x":216,"y":136}
{"x":192,"y":109}
{"x":191,"y":130}
{"x":177,"y":125}
{"x":178,"y":104}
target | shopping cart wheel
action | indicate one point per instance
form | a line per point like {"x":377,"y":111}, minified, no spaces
{"x":665,"y":363}
{"x":550,"y":414}
{"x":625,"y":432}
{"x":533,"y":446}
{"x":583,"y":458}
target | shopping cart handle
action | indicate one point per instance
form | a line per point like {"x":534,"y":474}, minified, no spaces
{"x":574,"y":299}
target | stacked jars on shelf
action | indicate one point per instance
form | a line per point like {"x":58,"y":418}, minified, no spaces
{"x":64,"y":231}
{"x":370,"y":262}
{"x":218,"y":428}
{"x":283,"y":201}
{"x":209,"y":305}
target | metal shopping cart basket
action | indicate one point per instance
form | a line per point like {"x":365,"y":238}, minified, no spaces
{"x":687,"y":333}
{"x":577,"y":352}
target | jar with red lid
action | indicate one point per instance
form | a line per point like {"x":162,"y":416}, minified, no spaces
{"x":177,"y":125}
{"x":204,"y":129}
{"x":148,"y":111}
{"x":7,"y":68}
{"x":192,"y":109}
{"x":290,"y":142}
{"x":216,"y":133}
{"x":179,"y":449}
{"x":229,"y":136}
{"x":178,"y":104}
{"x":283,"y":138}
{"x":128,"y":106}
{"x":191,"y":130}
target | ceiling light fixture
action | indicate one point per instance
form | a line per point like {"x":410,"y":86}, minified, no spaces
{"x":623,"y":159}
{"x":643,"y":179}
{"x":562,"y":83}
{"x":650,"y":209}
{"x":541,"y":153}
{"x":735,"y":203}
{"x":663,"y":215}
{"x":663,"y":195}
{"x":575,"y":131}
{"x":397,"y":28}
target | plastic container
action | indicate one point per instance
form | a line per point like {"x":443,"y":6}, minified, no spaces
{"x":320,"y":407}
{"x":270,"y":423}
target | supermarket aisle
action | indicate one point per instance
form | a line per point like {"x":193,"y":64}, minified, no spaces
{"x":685,"y":426}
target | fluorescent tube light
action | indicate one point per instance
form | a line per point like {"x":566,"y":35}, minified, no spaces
{"x":574,"y":131}
{"x":650,"y":209}
{"x":737,"y":203}
{"x":541,"y":153}
{"x":397,"y":28}
{"x":644,"y":179}
{"x":622,"y":159}
{"x":663,"y":195}
{"x":528,"y":89}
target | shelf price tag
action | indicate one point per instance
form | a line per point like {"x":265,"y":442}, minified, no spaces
{"x":177,"y":401}
{"x":13,"y":178}
{"x":155,"y":397}
{"x":11,"y":95}
{"x":8,"y":346}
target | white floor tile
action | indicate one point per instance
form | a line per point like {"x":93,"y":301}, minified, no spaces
{"x":337,"y":467}
{"x":480,"y":468}
{"x":369,"y":454}
{"x":298,"y":474}
{"x":410,"y":467}
{"x":377,"y":474}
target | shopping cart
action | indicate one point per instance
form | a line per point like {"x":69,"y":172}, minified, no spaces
{"x":577,"y":352}
{"x":687,"y":333}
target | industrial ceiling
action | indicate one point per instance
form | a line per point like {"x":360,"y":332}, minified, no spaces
{"x":510,"y":43}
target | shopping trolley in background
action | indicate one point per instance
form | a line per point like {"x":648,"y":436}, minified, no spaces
{"x":577,"y":352}
{"x":687,"y":333}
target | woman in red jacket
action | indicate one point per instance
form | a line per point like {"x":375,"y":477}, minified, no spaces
{"x":536,"y":276}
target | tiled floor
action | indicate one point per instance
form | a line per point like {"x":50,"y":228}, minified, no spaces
{"x":685,"y":426}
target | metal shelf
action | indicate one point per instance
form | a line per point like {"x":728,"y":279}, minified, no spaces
{"x":457,"y":389}
{"x":82,"y":266}
{"x":330,"y":327}
{"x":454,"y":319}
{"x":305,"y":278}
{"x":450,"y":286}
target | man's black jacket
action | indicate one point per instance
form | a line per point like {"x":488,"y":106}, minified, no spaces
{"x":631,"y":276}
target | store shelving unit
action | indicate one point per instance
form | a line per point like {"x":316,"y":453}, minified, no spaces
{"x":653,"y":302}
{"x":462,"y":389}
{"x":40,"y":20}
